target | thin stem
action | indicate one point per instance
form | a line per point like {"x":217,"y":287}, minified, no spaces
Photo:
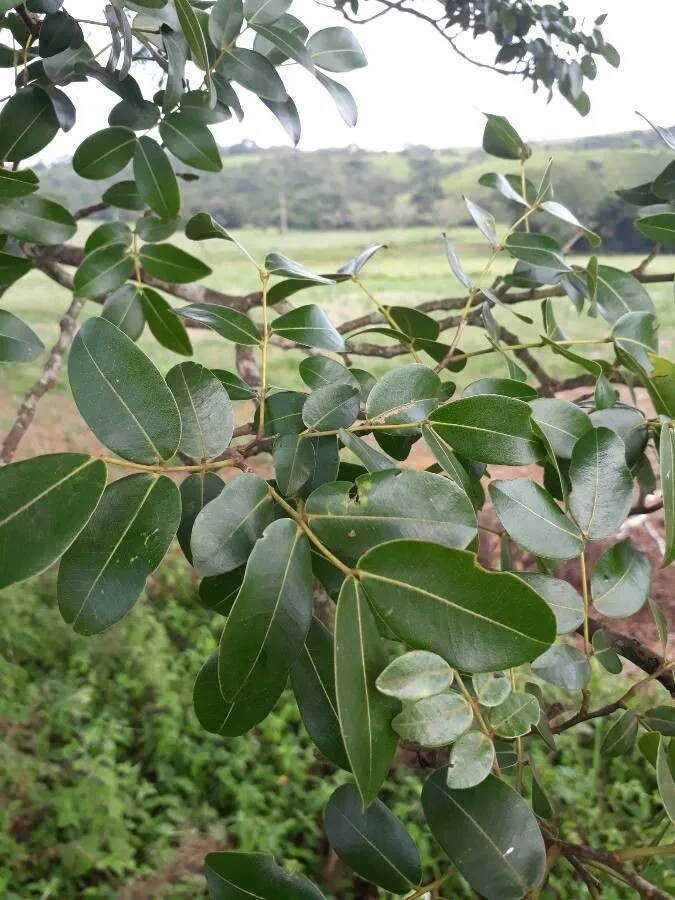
{"x":160,"y":468}
{"x":298,"y":517}
{"x":533,"y":346}
{"x":383,"y":312}
{"x":354,"y":429}
{"x":427,"y":888}
{"x":523,"y":190}
{"x":264,"y":280}
{"x":584,"y":591}
{"x":477,"y":713}
{"x":628,"y":853}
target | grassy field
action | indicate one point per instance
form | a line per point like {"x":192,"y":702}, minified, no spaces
{"x":413,"y":269}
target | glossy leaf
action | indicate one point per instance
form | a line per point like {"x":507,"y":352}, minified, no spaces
{"x":320,"y":371}
{"x":202,"y":226}
{"x":404,"y":395}
{"x":17,"y":184}
{"x":619,"y":293}
{"x":268,"y":623}
{"x":18,"y":342}
{"x":172,"y":264}
{"x":155,"y":179}
{"x":504,"y":387}
{"x":108,"y":233}
{"x":667,"y":466}
{"x":620,"y":739}
{"x":235,"y":876}
{"x":434,"y":721}
{"x":489,"y":429}
{"x":628,"y":423}
{"x":191,"y":142}
{"x":342,"y":97}
{"x":225,"y":22}
{"x":489,"y":834}
{"x":227,"y":528}
{"x":309,"y":325}
{"x":283,"y":413}
{"x":105,"y":153}
{"x":415,"y":675}
{"x":452,"y":466}
{"x":37,"y":220}
{"x":293,"y":463}
{"x":228,"y":323}
{"x":621,"y":580}
{"x":501,"y":139}
{"x":562,"y":422}
{"x":659,"y":228}
{"x":104,"y":571}
{"x":45,"y":502}
{"x":364,"y":713}
{"x":254,"y":72}
{"x":206,"y":413}
{"x":123,"y":308}
{"x":138,"y":118}
{"x":235,"y":386}
{"x":566,"y":604}
{"x":602,"y":486}
{"x":326,"y":463}
{"x":503,"y":184}
{"x":332,"y":407}
{"x":103,"y":270}
{"x":121,"y":395}
{"x":336,"y":49}
{"x":532,"y":518}
{"x":163,"y":322}
{"x":388,"y":505}
{"x":471,"y":761}
{"x":635,"y":334}
{"x":198,"y":489}
{"x":313,"y":681}
{"x":28,"y":124}
{"x":564,"y":666}
{"x":438,"y":599}
{"x":537,"y":250}
{"x":371,"y":458}
{"x":124,"y":195}
{"x":515,"y":716}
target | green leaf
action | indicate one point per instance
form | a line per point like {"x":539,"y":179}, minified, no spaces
{"x":532,"y":518}
{"x":432,"y":597}
{"x":665,"y":780}
{"x":501,"y":139}
{"x":541,"y":804}
{"x":203,"y":226}
{"x":164,"y":324}
{"x":103,"y":270}
{"x":553,"y":208}
{"x":413,"y":323}
{"x":343,"y":99}
{"x":371,"y":458}
{"x":309,"y":325}
{"x":564,"y":666}
{"x":641,"y":195}
{"x":562,"y":422}
{"x":172,"y":264}
{"x":235,"y":386}
{"x":620,"y":739}
{"x":372,"y":842}
{"x":290,"y":25}
{"x":471,"y":761}
{"x":278,"y":264}
{"x":121,"y":395}
{"x":404,"y":395}
{"x":536,"y":250}
{"x":254,"y":72}
{"x":489,"y":429}
{"x":124,"y":195}
{"x":452,"y":466}
{"x":434,"y":721}
{"x":489,"y":834}
{"x":659,"y":228}
{"x":661,"y":719}
{"x":313,"y":681}
{"x":235,"y":876}
{"x":104,"y":571}
{"x":388,"y":505}
{"x":364,"y":713}
{"x":414,"y":676}
{"x":36,"y":220}
{"x":320,"y":371}
{"x":565,"y":602}
{"x":123,"y":308}
{"x":491,"y":688}
{"x":504,"y":184}
{"x":138,"y":118}
{"x":108,"y":233}
{"x":667,"y":467}
{"x":602,"y":485}
{"x":290,"y":45}
{"x":326,"y":463}
{"x":225,"y":21}
{"x":227,"y":528}
{"x":151,"y":229}
{"x":332,"y":407}
{"x":605,"y":654}
{"x":18,"y":342}
{"x":264,"y":11}
{"x":336,"y":50}
{"x":485,"y":222}
{"x":504,"y":387}
{"x":619,"y":293}
{"x":192,"y":32}
{"x":228,"y":323}
{"x":28,"y":124}
{"x":218,"y":593}
{"x":635,"y":334}
{"x":206,"y":412}
{"x":283,"y":413}
{"x":17,"y":184}
{"x":105,"y":153}
{"x":155,"y":179}
{"x":515,"y":716}
{"x":191,"y":142}
{"x":266,"y":629}
{"x":293,"y":463}
{"x":287,"y":114}
{"x":45,"y":502}
{"x":661,"y":385}
{"x":620,"y":581}
{"x":198,"y":489}
{"x":629,"y":424}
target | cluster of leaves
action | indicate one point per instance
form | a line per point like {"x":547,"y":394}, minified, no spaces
{"x":394,"y":548}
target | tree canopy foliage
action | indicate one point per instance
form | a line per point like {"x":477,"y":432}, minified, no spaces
{"x":345,"y":568}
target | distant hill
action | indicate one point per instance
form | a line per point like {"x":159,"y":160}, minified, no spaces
{"x":354,"y":188}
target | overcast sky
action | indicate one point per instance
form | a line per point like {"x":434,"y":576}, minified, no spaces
{"x":416,"y":90}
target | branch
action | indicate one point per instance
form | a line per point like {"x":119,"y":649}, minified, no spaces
{"x":605,"y":860}
{"x":87,"y":211}
{"x":27,"y":410}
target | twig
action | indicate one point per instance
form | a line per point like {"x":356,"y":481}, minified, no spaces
{"x":605,"y":860}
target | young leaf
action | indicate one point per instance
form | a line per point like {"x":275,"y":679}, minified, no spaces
{"x":434,"y":721}
{"x":121,"y":395}
{"x":313,"y":681}
{"x":233,"y":875}
{"x":104,"y":571}
{"x":501,"y":139}
{"x":202,"y":226}
{"x":602,"y":485}
{"x":489,"y":833}
{"x":228,"y":323}
{"x":620,"y":581}
{"x":309,"y":325}
{"x":471,"y":761}
{"x":198,"y":489}
{"x":414,"y":676}
{"x":372,"y":842}
{"x":206,"y":412}
{"x":364,"y":713}
{"x":45,"y":502}
{"x":433,"y":596}
{"x":18,"y":342}
{"x":484,"y":220}
{"x":163,"y":322}
{"x":491,"y":688}
{"x":564,"y":666}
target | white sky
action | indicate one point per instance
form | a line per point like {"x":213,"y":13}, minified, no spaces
{"x":416,"y":90}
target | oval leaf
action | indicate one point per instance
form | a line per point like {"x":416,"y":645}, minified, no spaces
{"x":563,"y":666}
{"x":18,"y":342}
{"x":602,"y":485}
{"x":406,"y":394}
{"x":228,"y":323}
{"x":309,"y":325}
{"x":471,"y":761}
{"x":155,"y":179}
{"x":105,"y":153}
{"x":434,"y":721}
{"x":621,"y":580}
{"x":415,"y":675}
